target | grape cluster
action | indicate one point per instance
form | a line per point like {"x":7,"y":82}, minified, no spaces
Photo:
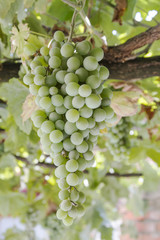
{"x":66,"y":80}
{"x":118,"y":140}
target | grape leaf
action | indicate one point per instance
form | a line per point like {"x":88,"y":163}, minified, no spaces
{"x":14,"y":92}
{"x":125,"y":103}
{"x":29,"y":106}
{"x":4,"y":7}
{"x":7,"y":160}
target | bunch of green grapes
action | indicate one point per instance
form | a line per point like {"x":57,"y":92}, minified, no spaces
{"x":118,"y":140}
{"x":66,"y":80}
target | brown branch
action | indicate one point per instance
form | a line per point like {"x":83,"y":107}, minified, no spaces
{"x":124,"y":52}
{"x":51,"y":165}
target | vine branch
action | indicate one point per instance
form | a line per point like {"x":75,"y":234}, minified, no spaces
{"x":72,"y":26}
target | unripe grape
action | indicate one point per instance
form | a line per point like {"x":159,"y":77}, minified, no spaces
{"x":82,"y":123}
{"x":62,"y":184}
{"x":93,"y":81}
{"x":63,"y":194}
{"x":78,"y":102}
{"x":85,"y":112}
{"x":53,"y":90}
{"x":45,"y":102}
{"x":90,"y":63}
{"x":57,"y":100}
{"x":106,"y":93}
{"x":61,"y":172}
{"x":72,"y":115}
{"x":51,"y":80}
{"x":55,"y":51}
{"x":47,"y":126}
{"x":61,"y":214}
{"x":60,"y":75}
{"x":59,"y":124}
{"x":83,"y":147}
{"x":43,"y":91}
{"x":34,"y":64}
{"x":29,"y":49}
{"x":73,"y":212}
{"x":54,"y":116}
{"x":84,"y":90}
{"x":44,"y":51}
{"x":82,"y":74}
{"x":54,"y":62}
{"x":88,"y":155}
{"x":76,"y":138}
{"x":72,"y":179}
{"x":83,"y":48}
{"x":66,"y":205}
{"x":72,"y":88}
{"x":67,"y":145}
{"x":103,"y":73}
{"x":59,"y":36}
{"x":56,"y":136}
{"x":97,"y":53}
{"x":38,"y":113}
{"x":73,"y":63}
{"x":80,"y":176}
{"x":39,"y":79}
{"x":38,"y":121}
{"x":109,"y":112}
{"x":71,"y":165}
{"x":82,"y":197}
{"x":71,"y":77}
{"x":80,"y":210}
{"x":74,"y":195}
{"x":68,"y":221}
{"x":56,"y":44}
{"x":68,"y":102}
{"x":34,"y":89}
{"x":93,"y":101}
{"x":59,"y":159}
{"x":40,"y":70}
{"x":70,"y":128}
{"x":85,"y":133}
{"x":73,"y":154}
{"x":28,"y":79}
{"x":82,"y":164}
{"x":67,"y":50}
{"x":61,"y":109}
{"x":99,"y":115}
{"x":91,"y":122}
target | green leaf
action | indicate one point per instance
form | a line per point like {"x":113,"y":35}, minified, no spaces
{"x":130,"y":10}
{"x":7,"y":160}
{"x":15,"y":94}
{"x":154,"y":155}
{"x":4,"y":7}
{"x":60,"y":10}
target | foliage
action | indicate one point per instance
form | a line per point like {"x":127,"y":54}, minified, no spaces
{"x":28,"y":185}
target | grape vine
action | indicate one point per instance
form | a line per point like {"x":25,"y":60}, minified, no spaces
{"x":66,"y":80}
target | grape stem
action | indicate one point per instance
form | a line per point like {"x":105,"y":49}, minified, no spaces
{"x":40,"y":34}
{"x":72,"y":25}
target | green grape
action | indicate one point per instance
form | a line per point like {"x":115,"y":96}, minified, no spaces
{"x":51,"y":80}
{"x":82,"y":197}
{"x":61,"y":172}
{"x":80,"y":176}
{"x":47,"y":126}
{"x":72,"y":115}
{"x":62,"y":184}
{"x":59,"y":124}
{"x":113,"y":119}
{"x":68,"y":102}
{"x":45,"y":140}
{"x":84,"y":90}
{"x":70,"y":128}
{"x":67,"y":145}
{"x":44,"y":51}
{"x":73,"y":154}
{"x":72,"y":179}
{"x":57,"y":100}
{"x":56,"y":44}
{"x":43,"y":91}
{"x":39,"y":133}
{"x":93,"y":101}
{"x":58,"y":159}
{"x":53,"y":90}
{"x":71,"y":165}
{"x":72,"y":88}
{"x":76,"y":138}
{"x":77,"y":55}
{"x":90,"y":63}
{"x":63,"y":89}
{"x":98,"y":90}
{"x":34,"y":89}
{"x":73,"y":63}
{"x":29,"y":49}
{"x":74,"y":195}
{"x":82,"y":164}
{"x":106,"y":102}
{"x":99,"y":115}
{"x":91,"y":123}
{"x":97,"y":53}
{"x":80,"y":210}
{"x":28,"y":79}
{"x":38,"y":113}
{"x":92,"y":138}
{"x":63,"y":194}
{"x":64,"y":63}
{"x":103,"y":73}
{"x":54,"y":116}
{"x":88,"y":155}
{"x":85,"y":133}
{"x":82,"y":74}
{"x":68,"y":221}
{"x":102,"y":125}
{"x":95,"y":131}
{"x":45,"y":102}
{"x":83,"y":48}
{"x":54,"y":62}
{"x":93,"y":81}
{"x":78,"y":102}
{"x":60,"y":75}
{"x":38,"y":121}
{"x":56,"y":136}
{"x":37,"y":99}
{"x":55,"y":51}
{"x":59,"y":36}
{"x":82,"y":123}
{"x":73,"y":212}
{"x":83,"y":147}
{"x":85,"y":112}
{"x":66,"y":205}
{"x":35,"y":64}
{"x":107,"y":93}
{"x":67,"y":50}
{"x":61,"y":109}
{"x":109,"y":112}
{"x":40,"y":70}
{"x":50,"y":109}
{"x":39,"y":80}
{"x":61,"y":214}
{"x":70,"y":77}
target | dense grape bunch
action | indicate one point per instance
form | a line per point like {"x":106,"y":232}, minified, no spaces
{"x":66,"y":80}
{"x":118,"y":140}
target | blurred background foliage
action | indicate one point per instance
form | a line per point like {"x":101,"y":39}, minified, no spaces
{"x":127,"y":154}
